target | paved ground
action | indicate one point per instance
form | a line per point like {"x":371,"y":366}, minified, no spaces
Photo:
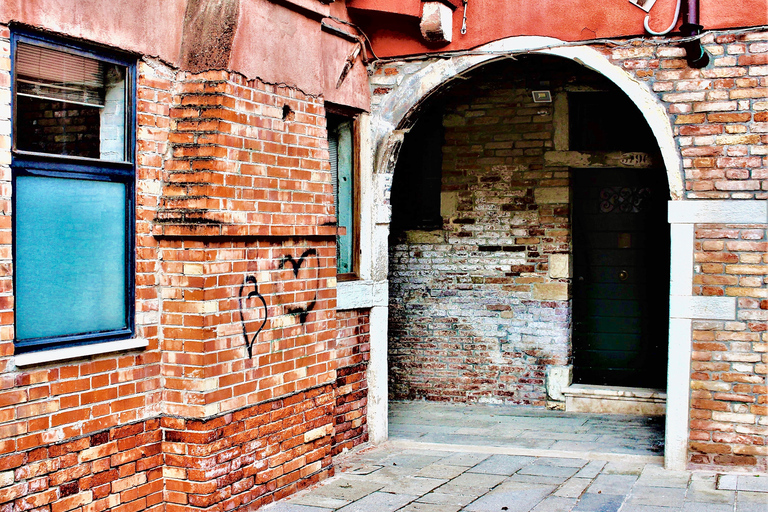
{"x":414,"y":472}
{"x":519,"y":428}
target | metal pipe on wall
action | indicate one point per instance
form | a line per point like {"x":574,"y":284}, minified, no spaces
{"x":695,"y":54}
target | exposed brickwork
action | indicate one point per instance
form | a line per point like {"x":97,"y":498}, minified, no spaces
{"x":718,"y":111}
{"x":729,"y":415}
{"x":353,"y":353}
{"x":207,"y":367}
{"x":118,"y":469}
{"x":248,"y":159}
{"x":251,"y":456}
{"x":275,"y":411}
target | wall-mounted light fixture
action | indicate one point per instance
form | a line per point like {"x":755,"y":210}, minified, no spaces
{"x":541,"y":96}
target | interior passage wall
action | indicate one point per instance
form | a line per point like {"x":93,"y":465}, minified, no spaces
{"x":476,"y":311}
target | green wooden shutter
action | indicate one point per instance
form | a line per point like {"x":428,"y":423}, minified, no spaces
{"x":342,"y":167}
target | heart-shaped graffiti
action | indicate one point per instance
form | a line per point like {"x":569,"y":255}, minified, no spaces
{"x":250,"y":340}
{"x":302,"y":311}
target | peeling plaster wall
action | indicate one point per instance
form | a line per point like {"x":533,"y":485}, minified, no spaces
{"x":278,"y":42}
{"x":574,"y":20}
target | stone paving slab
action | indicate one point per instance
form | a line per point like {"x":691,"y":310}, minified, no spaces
{"x":373,"y":480}
{"x":458,"y":458}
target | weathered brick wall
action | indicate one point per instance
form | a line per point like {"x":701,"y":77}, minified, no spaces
{"x":718,"y":112}
{"x":729,"y":415}
{"x":251,"y":456}
{"x":353,"y":351}
{"x":249,"y":158}
{"x":210,"y":324}
{"x":246,"y":162}
{"x":475,"y":313}
{"x":115,"y":469}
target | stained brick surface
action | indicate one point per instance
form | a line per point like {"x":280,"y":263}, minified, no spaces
{"x":729,"y":415}
{"x":353,"y":353}
{"x":235,"y":402}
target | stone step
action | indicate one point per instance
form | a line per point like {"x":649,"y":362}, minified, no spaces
{"x":615,"y":400}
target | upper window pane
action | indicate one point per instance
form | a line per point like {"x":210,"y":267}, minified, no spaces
{"x":69,"y":104}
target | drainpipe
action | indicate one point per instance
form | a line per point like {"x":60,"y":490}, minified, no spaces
{"x":695,"y":54}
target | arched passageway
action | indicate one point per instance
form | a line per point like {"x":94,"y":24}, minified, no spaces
{"x":516,"y":206}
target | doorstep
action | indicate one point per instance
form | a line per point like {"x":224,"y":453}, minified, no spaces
{"x":615,"y":400}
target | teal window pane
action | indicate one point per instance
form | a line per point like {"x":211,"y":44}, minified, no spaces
{"x":70,"y":256}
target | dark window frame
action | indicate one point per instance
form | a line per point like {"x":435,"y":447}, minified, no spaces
{"x":28,"y":163}
{"x":336,"y":116}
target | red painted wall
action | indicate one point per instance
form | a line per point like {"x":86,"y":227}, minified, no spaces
{"x":569,"y":20}
{"x":278,"y":42}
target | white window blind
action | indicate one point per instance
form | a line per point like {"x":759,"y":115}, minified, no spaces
{"x":60,"y":76}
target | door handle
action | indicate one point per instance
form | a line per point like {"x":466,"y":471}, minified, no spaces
{"x":623,"y":275}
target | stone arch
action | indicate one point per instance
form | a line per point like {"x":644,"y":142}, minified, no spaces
{"x":394,"y":113}
{"x":397,"y":110}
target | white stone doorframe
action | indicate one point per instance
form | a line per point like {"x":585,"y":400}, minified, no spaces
{"x":388,"y":125}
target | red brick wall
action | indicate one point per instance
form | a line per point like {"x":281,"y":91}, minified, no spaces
{"x":207,"y":367}
{"x":729,"y":396}
{"x":197,"y":419}
{"x":353,"y":354}
{"x":248,"y":158}
{"x":718,"y":111}
{"x":250,"y":456}
{"x":119,"y":469}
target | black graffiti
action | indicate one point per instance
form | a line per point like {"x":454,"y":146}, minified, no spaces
{"x":301,"y":312}
{"x":249,"y":340}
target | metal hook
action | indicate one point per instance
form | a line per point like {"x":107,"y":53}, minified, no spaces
{"x":674,"y":22}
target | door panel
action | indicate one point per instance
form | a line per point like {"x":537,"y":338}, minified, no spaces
{"x":621,"y":270}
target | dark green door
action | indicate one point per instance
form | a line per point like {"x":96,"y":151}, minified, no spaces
{"x":621,"y":277}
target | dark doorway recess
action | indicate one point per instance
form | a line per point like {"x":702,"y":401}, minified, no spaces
{"x":621,"y":270}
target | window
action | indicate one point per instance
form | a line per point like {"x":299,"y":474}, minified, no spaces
{"x":73,"y":190}
{"x":341,"y":146}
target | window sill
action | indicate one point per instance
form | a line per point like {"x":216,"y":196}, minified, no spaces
{"x":361,"y":294}
{"x":61,"y":354}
